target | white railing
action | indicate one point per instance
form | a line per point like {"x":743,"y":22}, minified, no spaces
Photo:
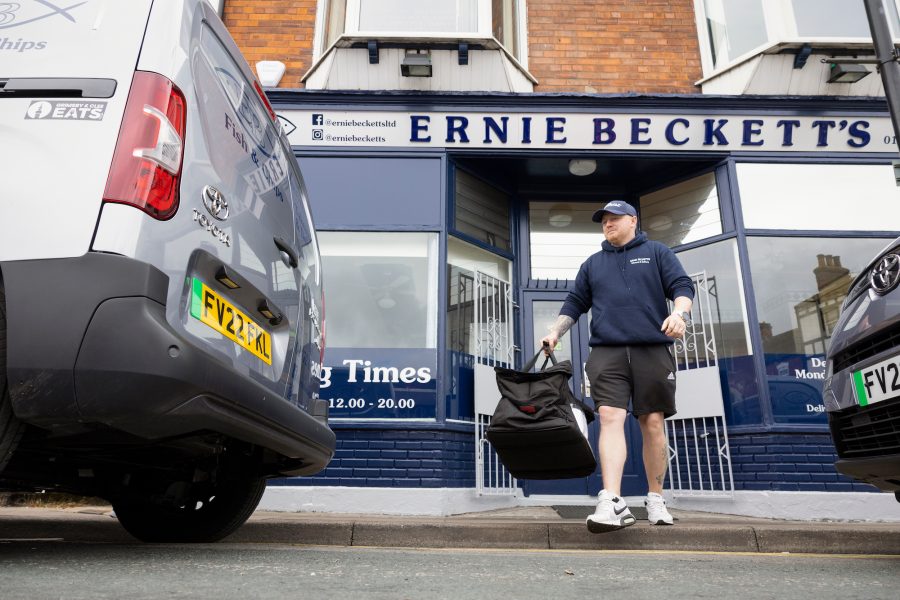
{"x":493,"y":346}
{"x":699,"y":455}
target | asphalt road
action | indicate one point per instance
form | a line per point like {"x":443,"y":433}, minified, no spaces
{"x":55,"y":569}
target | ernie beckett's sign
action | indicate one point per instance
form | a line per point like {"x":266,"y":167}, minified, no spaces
{"x":591,"y":131}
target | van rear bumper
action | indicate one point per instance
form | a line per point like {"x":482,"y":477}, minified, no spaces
{"x":89,"y":343}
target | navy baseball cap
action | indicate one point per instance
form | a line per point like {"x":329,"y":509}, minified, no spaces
{"x":616,"y":207}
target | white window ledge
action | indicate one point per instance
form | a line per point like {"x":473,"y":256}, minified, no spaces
{"x":476,"y":44}
{"x":863,"y":45}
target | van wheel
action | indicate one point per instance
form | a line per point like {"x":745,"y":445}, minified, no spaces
{"x":10,"y":427}
{"x":206,"y":517}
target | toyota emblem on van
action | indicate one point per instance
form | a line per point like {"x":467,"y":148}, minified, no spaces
{"x":886,"y":274}
{"x":215,"y":203}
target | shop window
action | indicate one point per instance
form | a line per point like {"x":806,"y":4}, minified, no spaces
{"x":464,"y":261}
{"x":819,"y":197}
{"x":730,"y":326}
{"x":544,"y":314}
{"x":374,"y":193}
{"x":380,"y":289}
{"x":481,"y":211}
{"x":479,"y":320}
{"x":735,"y":29}
{"x":799,"y":284}
{"x":562,"y":236}
{"x":502,"y":20}
{"x":682,"y":213}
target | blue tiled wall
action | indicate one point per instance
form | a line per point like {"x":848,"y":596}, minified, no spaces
{"x":429,"y":458}
{"x":788,"y":462}
{"x":437,"y":458}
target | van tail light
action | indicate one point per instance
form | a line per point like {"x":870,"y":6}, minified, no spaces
{"x":265,"y":100}
{"x":146,"y":165}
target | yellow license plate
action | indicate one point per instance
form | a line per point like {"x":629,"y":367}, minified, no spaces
{"x":209,"y":307}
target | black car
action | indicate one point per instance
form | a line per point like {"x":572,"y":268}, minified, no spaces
{"x":862,"y":386}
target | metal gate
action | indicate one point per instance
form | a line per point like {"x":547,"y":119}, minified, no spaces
{"x":699,"y":456}
{"x":493,"y":333}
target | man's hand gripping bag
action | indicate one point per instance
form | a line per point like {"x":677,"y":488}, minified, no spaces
{"x":539,"y":428}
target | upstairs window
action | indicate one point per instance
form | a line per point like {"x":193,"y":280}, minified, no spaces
{"x":417,"y":16}
{"x":731,"y":30}
{"x":502,"y":20}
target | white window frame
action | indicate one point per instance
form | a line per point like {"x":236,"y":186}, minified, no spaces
{"x":781,"y":28}
{"x":218,"y":5}
{"x":484,"y":29}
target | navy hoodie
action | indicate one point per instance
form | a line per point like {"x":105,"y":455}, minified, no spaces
{"x":626,"y":289}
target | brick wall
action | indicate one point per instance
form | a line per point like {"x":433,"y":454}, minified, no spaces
{"x":274,"y":30}
{"x":613,"y":46}
{"x":595,"y":46}
{"x":788,"y":462}
{"x":396,"y":458}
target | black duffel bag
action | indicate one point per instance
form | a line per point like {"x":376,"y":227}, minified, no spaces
{"x":535,"y":428}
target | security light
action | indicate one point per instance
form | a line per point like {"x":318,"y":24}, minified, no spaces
{"x":416,"y":64}
{"x":847,"y":72}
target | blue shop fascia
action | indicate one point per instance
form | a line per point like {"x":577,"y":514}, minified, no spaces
{"x":452,"y":225}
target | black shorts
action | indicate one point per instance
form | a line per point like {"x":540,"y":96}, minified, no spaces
{"x":643,"y":374}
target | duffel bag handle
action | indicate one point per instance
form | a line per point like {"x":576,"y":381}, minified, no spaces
{"x":531,"y":363}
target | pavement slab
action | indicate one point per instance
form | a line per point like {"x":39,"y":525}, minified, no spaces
{"x":517,"y":528}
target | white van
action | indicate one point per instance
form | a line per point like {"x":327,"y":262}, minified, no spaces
{"x":161,"y":308}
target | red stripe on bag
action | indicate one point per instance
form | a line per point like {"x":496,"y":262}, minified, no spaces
{"x":528,"y":409}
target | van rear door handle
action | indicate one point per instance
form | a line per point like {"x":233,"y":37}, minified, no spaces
{"x":288,"y":253}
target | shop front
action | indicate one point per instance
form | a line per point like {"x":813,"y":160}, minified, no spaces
{"x":452,"y":226}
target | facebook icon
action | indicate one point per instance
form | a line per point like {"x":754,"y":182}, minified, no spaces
{"x":318,"y":119}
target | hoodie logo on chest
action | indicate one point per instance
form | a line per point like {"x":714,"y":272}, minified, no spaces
{"x":639,"y":261}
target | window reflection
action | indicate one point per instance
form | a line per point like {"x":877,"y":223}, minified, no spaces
{"x":799,"y":286}
{"x":464,"y":261}
{"x":682,"y":213}
{"x":792,"y":196}
{"x":482,"y":211}
{"x":504,"y":20}
{"x":478,"y":320}
{"x":419,"y":16}
{"x":734,"y":28}
{"x":562,"y":236}
{"x":831,"y":18}
{"x":380,"y":289}
{"x":727,"y":316}
{"x":737,"y":27}
{"x":544,"y":314}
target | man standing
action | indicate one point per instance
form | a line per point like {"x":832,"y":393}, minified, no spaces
{"x":625,"y":286}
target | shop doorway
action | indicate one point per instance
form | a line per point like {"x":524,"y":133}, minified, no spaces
{"x":541,"y":310}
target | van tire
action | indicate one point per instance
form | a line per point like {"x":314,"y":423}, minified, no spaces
{"x":10,"y":427}
{"x":226,"y":507}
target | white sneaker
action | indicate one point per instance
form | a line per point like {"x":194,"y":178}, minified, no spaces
{"x":657,"y":513}
{"x":612,"y":513}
